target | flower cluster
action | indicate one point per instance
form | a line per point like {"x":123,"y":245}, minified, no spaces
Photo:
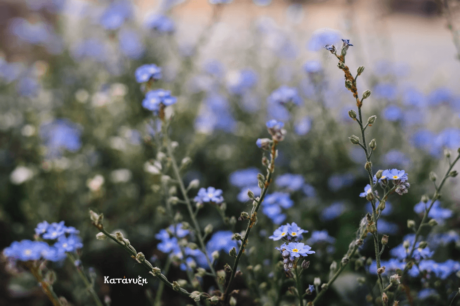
{"x":157,"y":99}
{"x":209,"y":195}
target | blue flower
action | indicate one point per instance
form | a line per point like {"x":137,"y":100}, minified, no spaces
{"x":240,"y":82}
{"x":179,"y":231}
{"x":339,"y":181}
{"x":321,"y":38}
{"x":169,"y":246}
{"x":55,"y":230}
{"x":395,"y":175}
{"x":273,"y":124}
{"x":313,"y":66}
{"x":436,"y":212}
{"x":60,"y":134}
{"x":68,"y":244}
{"x":219,"y":1}
{"x":244,"y":177}
{"x":160,"y":23}
{"x":274,"y":213}
{"x":27,"y":87}
{"x":333,"y":211}
{"x":346,"y":43}
{"x":25,"y":250}
{"x":281,"y":199}
{"x":214,"y":68}
{"x":148,"y":72}
{"x":41,"y":228}
{"x":320,"y":236}
{"x":90,"y":49}
{"x":284,"y":95}
{"x":243,"y":194}
{"x":221,"y":241}
{"x":52,"y":253}
{"x":386,"y":227}
{"x":309,"y":190}
{"x":298,"y":249}
{"x":413,"y":97}
{"x":281,"y":232}
{"x":293,"y":182}
{"x":367,"y":190}
{"x":395,"y":157}
{"x":115,"y":15}
{"x":385,"y":91}
{"x":388,"y":208}
{"x":426,"y":293}
{"x":130,"y":44}
{"x":211,"y":194}
{"x":302,"y":126}
{"x":154,"y":99}
{"x":439,"y":96}
{"x":392,"y":113}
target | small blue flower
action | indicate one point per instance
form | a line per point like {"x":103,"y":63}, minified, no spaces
{"x":284,"y":95}
{"x":69,"y":244}
{"x":302,"y":126}
{"x":115,"y":15}
{"x":130,"y":44}
{"x":280,"y":233}
{"x":436,"y":212}
{"x":367,"y":190}
{"x":281,"y":199}
{"x":154,"y":99}
{"x":323,"y":37}
{"x":244,"y":177}
{"x":60,"y":134}
{"x":298,"y":249}
{"x":263,"y":143}
{"x":240,"y":82}
{"x":273,"y":124}
{"x":53,"y":253}
{"x":395,"y":175}
{"x":221,"y":241}
{"x":147,"y":72}
{"x":179,"y":231}
{"x":320,"y":236}
{"x":426,"y":293}
{"x":392,"y":113}
{"x":209,"y":195}
{"x":55,"y":230}
{"x":160,"y":23}
{"x":25,"y":250}
{"x":41,"y":228}
{"x":346,"y":43}
{"x":274,"y":213}
{"x":333,"y":211}
{"x":293,"y":182}
{"x":313,"y":66}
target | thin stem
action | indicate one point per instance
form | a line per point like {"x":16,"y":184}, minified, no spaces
{"x":45,"y":285}
{"x":452,"y":302}
{"x":299,"y":285}
{"x":189,"y":207}
{"x":85,"y":280}
{"x":162,"y":285}
{"x":252,"y":221}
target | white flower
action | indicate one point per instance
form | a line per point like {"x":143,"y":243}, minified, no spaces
{"x":95,"y":183}
{"x":120,"y":176}
{"x":20,"y":175}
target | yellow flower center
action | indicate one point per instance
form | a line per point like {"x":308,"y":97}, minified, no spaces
{"x":27,"y":252}
{"x":295,"y":251}
{"x":283,"y":233}
{"x":293,"y":234}
{"x":395,"y":177}
{"x":383,"y":177}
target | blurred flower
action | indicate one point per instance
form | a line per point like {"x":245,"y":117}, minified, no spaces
{"x":221,"y":241}
{"x":120,"y":175}
{"x":339,"y":181}
{"x":426,"y":293}
{"x":333,"y":211}
{"x":279,"y":198}
{"x":302,"y":126}
{"x":219,"y":1}
{"x":439,"y":96}
{"x":209,"y":195}
{"x":25,"y":250}
{"x":154,"y":99}
{"x":312,"y":66}
{"x":320,"y":236}
{"x":160,"y":23}
{"x":385,"y":91}
{"x":90,"y":49}
{"x":392,"y":113}
{"x":367,"y":190}
{"x":148,"y":72}
{"x":262,"y":2}
{"x":60,"y":134}
{"x":309,"y":190}
{"x":323,"y":37}
{"x":436,"y":212}
{"x":115,"y":15}
{"x":27,"y":87}
{"x":69,"y":244}
{"x":20,"y":175}
{"x":284,"y":95}
{"x":290,"y":181}
{"x":413,"y":97}
{"x":95,"y":183}
{"x":274,"y":213}
{"x":238,"y":82}
{"x":244,"y":177}
{"x":130,"y":43}
{"x":396,"y":158}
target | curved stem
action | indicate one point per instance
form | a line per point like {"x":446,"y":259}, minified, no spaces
{"x":162,"y":285}
{"x":85,"y":280}
{"x":45,"y":285}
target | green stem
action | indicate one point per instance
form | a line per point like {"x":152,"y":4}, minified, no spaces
{"x":452,"y":302}
{"x":299,"y":285}
{"x":45,"y":285}
{"x":162,"y":285}
{"x":251,"y":222}
{"x":85,"y":280}
{"x":189,"y":207}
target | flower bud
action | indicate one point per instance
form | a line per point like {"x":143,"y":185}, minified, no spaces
{"x":185,"y":162}
{"x":161,"y":210}
{"x":173,"y":200}
{"x":119,"y":236}
{"x":317,"y":281}
{"x":406,"y":244}
{"x":366,"y":94}
{"x":233,"y":252}
{"x":305,"y":264}
{"x":175,"y":286}
{"x":324,"y":286}
{"x":354,"y":139}
{"x":422,"y":245}
{"x":385,"y":239}
{"x":156,"y":271}
{"x":208,"y":229}
{"x":433,"y":176}
{"x":101,"y":236}
{"x":373,"y":144}
{"x":238,"y":273}
{"x":432,"y":222}
{"x":368,"y":166}
{"x":378,"y":175}
{"x":215,"y":255}
{"x":453,"y":173}
{"x":384,"y":298}
{"x":371,"y":120}
{"x":250,"y":194}
{"x":232,"y":301}
{"x":342,"y":65}
{"x":244,"y":216}
{"x":410,"y":224}
{"x":194,"y":184}
{"x":348,"y":84}
{"x":381,"y":270}
{"x":192,"y":246}
{"x":360,"y":70}
{"x":96,"y":218}
{"x":214,"y":299}
{"x":178,"y":217}
{"x":381,"y":206}
{"x":50,"y":277}
{"x":358,"y":264}
{"x":369,"y":261}
{"x":447,"y":153}
{"x":196,"y":296}
{"x":352,"y":114}
{"x":140,"y":257}
{"x":264,"y":143}
{"x":345,"y":260}
{"x":394,"y":279}
{"x":333,"y":266}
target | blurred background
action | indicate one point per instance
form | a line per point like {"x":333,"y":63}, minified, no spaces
{"x":74,"y":136}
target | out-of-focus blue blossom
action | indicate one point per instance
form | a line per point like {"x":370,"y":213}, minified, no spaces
{"x":179,"y":231}
{"x":413,"y":116}
{"x":391,"y":266}
{"x":323,"y":37}
{"x":439,"y":96}
{"x":241,"y":81}
{"x":52,"y":6}
{"x":436,"y":212}
{"x":396,"y":158}
{"x":320,"y":236}
{"x":243,"y":194}
{"x":309,"y":190}
{"x":55,"y":230}
{"x":90,"y":49}
{"x":279,"y":198}
{"x":215,"y":115}
{"x":392,"y":113}
{"x":284,"y":95}
{"x":9,"y":71}
{"x":116,"y":14}
{"x":339,"y":181}
{"x":449,"y":138}
{"x":160,"y":23}
{"x":274,"y":213}
{"x":295,"y":12}
{"x":221,"y":241}
{"x":426,"y":293}
{"x":209,"y":195}
{"x":262,"y":2}
{"x":154,"y":99}
{"x":28,"y":87}
{"x":401,"y":253}
{"x":290,"y":181}
{"x":274,"y":124}
{"x":386,"y":227}
{"x":42,"y":228}
{"x":312,"y":66}
{"x":278,"y":112}
{"x":169,"y":245}
{"x":302,"y":126}
{"x":52,"y":253}
{"x":60,"y":134}
{"x":413,"y":97}
{"x":25,"y":250}
{"x":441,"y":270}
{"x":367,"y":190}
{"x":387,"y":211}
{"x":297,"y":249}
{"x":130,"y":43}
{"x":69,"y":244}
{"x":38,"y":33}
{"x":444,"y":238}
{"x":425,"y":139}
{"x":214,"y":68}
{"x":385,"y":91}
{"x":244,"y":178}
{"x":219,"y":1}
{"x":147,"y":72}
{"x":356,"y":154}
{"x":333,"y":211}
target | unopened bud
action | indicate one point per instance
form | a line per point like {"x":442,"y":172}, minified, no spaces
{"x":369,"y":261}
{"x":422,"y":245}
{"x":385,"y":239}
{"x":406,"y":244}
{"x":50,"y":277}
{"x":368,"y":166}
{"x":382,"y":205}
{"x":394,"y":279}
{"x":384,"y":298}
{"x":345,"y":260}
{"x":453,"y":173}
{"x":192,"y":246}
{"x":233,"y":252}
{"x":410,"y":224}
{"x":433,"y":176}
{"x":161,"y":210}
{"x":215,"y":255}
{"x":208,"y":229}
{"x":333,"y":266}
{"x":432,"y":222}
{"x":244,"y":215}
{"x":214,"y":299}
{"x":381,"y":270}
{"x":250,"y":194}
{"x":173,"y":200}
{"x":305,"y":264}
{"x":447,"y":153}
{"x":378,"y":175}
{"x":371,"y":120}
{"x":185,"y":162}
{"x":194,"y":184}
{"x":317,"y":281}
{"x":360,"y":70}
{"x":101,"y":236}
{"x":156,"y":271}
{"x":178,"y":217}
{"x":354,"y":139}
{"x":366,"y":94}
{"x":96,"y":218}
{"x":352,"y":114}
{"x":140,"y":257}
{"x":373,"y":144}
